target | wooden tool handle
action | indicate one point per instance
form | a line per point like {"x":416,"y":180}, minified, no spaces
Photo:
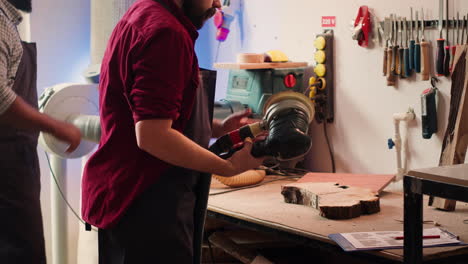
{"x":390,"y":76}
{"x":385,"y":62}
{"x":394,"y":58}
{"x":400,"y":66}
{"x":425,"y":62}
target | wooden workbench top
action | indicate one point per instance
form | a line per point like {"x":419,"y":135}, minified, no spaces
{"x":455,"y":174}
{"x":264,"y":205}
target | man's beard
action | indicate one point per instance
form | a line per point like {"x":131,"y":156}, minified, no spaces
{"x":23,"y":5}
{"x":198,"y":20}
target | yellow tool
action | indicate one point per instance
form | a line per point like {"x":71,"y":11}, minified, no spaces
{"x":320,"y":43}
{"x":320,"y":56}
{"x":314,"y":85}
{"x":275,"y":56}
{"x":320,"y":70}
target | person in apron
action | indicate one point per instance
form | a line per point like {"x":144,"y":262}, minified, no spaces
{"x":142,"y":187}
{"x":21,"y":236}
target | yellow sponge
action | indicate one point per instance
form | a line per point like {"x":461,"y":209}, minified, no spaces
{"x":275,"y":56}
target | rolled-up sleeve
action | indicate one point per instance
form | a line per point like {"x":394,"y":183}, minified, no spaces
{"x":7,"y":95}
{"x":161,"y":73}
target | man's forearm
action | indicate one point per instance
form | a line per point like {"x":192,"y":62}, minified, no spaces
{"x":22,"y":116}
{"x":173,"y":147}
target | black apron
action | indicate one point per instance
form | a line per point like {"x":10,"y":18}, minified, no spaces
{"x":165,"y":223}
{"x":21,"y":233}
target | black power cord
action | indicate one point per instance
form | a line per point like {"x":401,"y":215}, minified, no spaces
{"x":332,"y":156}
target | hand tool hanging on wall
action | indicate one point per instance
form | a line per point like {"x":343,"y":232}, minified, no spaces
{"x":463,"y":30}
{"x":440,"y":42}
{"x":390,"y":58}
{"x":453,"y":48}
{"x":406,"y":59}
{"x":429,"y":110}
{"x":387,"y":34}
{"x":417,"y":48}
{"x":362,"y":26}
{"x":412,"y":43}
{"x":395,"y":58}
{"x":401,"y":47}
{"x":425,"y":53}
{"x":447,"y":48}
{"x":458,"y":29}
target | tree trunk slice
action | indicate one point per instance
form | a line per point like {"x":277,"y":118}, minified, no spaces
{"x":332,"y":200}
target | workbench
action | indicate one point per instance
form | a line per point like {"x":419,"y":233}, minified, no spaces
{"x":449,"y":182}
{"x":263,"y":209}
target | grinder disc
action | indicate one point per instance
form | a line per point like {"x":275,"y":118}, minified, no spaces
{"x":287,"y":95}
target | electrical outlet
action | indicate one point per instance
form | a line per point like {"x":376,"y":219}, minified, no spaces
{"x":324,"y":71}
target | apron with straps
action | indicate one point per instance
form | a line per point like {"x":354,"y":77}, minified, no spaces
{"x":165,"y":223}
{"x":21,"y":234}
{"x":174,"y":208}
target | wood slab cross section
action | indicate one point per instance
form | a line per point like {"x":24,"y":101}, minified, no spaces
{"x":331,"y":199}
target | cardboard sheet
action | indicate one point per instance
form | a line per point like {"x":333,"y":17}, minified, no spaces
{"x":374,"y":182}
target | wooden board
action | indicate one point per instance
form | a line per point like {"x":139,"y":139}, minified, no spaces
{"x":456,"y":135}
{"x":375,"y":182}
{"x":265,"y":65}
{"x":333,"y":201}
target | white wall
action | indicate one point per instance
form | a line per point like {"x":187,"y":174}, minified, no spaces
{"x":364,"y":104}
{"x":61,"y":29}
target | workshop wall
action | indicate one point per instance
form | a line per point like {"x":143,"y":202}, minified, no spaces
{"x":364,"y":105}
{"x":61,"y":29}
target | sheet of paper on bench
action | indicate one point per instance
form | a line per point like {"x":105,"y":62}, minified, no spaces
{"x":386,"y":239}
{"x":374,"y":182}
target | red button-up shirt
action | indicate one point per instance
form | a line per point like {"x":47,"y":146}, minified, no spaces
{"x":149,"y":71}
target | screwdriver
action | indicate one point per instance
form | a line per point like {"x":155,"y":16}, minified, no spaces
{"x":406,"y":59}
{"x":395,"y":62}
{"x":425,"y":53}
{"x":400,"y":50}
{"x":453,"y":48}
{"x":390,"y":76}
{"x":411,"y":45}
{"x":387,"y":39}
{"x":417,"y":48}
{"x":447,"y":48}
{"x":440,"y":42}
{"x":463,"y":30}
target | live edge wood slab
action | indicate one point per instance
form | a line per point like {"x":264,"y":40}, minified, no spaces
{"x":334,"y":201}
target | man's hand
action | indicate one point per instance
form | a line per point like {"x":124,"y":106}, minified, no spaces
{"x":22,"y":116}
{"x":242,"y":160}
{"x":68,"y":133}
{"x":232,"y":122}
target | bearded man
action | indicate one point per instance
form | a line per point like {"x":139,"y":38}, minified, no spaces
{"x":140,"y":187}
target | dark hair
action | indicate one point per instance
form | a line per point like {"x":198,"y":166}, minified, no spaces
{"x":23,"y":5}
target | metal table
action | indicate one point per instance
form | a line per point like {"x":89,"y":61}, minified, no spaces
{"x":449,"y":182}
